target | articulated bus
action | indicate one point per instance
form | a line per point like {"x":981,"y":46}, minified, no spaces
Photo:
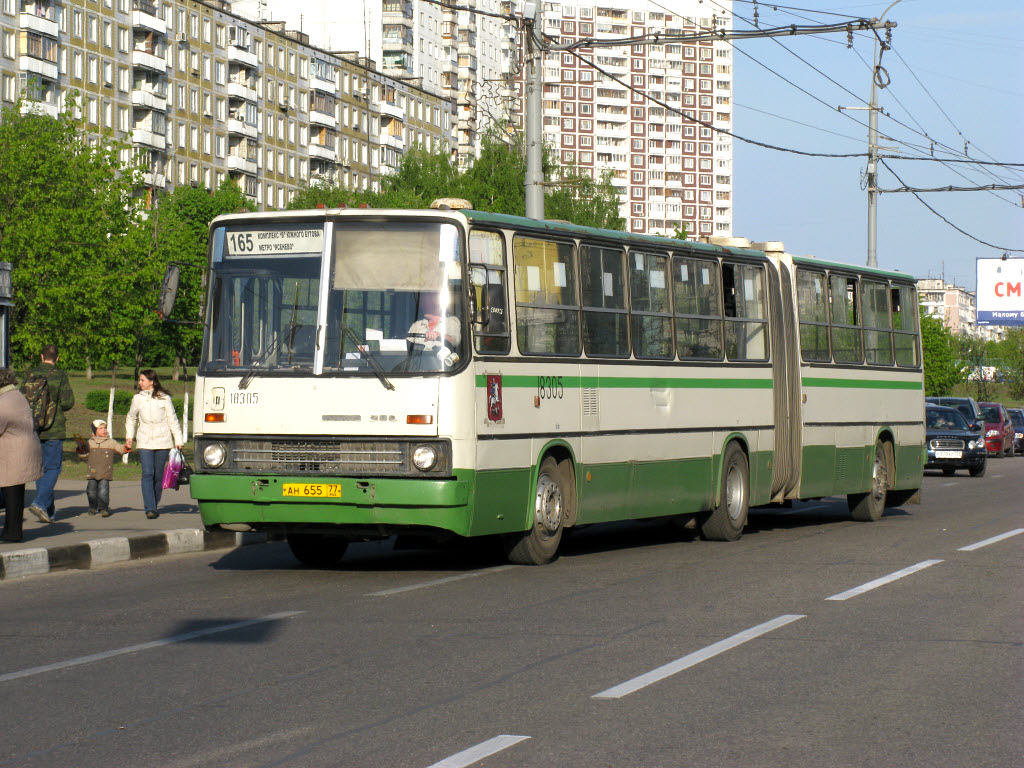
{"x":453,"y":373}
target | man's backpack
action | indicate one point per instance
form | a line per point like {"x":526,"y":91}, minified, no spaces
{"x":36,"y":390}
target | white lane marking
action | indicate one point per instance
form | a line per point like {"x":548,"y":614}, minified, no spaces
{"x":946,"y":485}
{"x":146,"y":646}
{"x":479,"y":752}
{"x":993,"y":540}
{"x":655,"y":675}
{"x":437,"y":582}
{"x":884,"y":580}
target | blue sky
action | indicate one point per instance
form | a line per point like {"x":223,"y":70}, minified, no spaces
{"x":955,"y":71}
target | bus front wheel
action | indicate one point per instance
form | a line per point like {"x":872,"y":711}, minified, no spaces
{"x":317,"y":551}
{"x":868,"y":507}
{"x":727,"y":520}
{"x":551,"y":508}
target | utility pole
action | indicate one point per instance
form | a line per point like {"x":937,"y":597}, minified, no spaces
{"x":872,"y":174}
{"x":532,"y":12}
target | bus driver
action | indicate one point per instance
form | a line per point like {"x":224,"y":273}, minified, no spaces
{"x":428,"y":335}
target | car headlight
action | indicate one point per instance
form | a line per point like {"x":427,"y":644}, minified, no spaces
{"x":976,"y":444}
{"x":214,"y":454}
{"x":424,"y":457}
{"x":992,"y":433}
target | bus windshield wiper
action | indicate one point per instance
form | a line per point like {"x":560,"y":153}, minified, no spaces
{"x":366,"y":352}
{"x":288,"y":333}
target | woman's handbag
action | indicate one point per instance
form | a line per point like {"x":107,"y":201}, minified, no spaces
{"x":184,"y":473}
{"x":175,"y":461}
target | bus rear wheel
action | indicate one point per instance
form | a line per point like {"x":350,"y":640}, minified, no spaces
{"x":868,"y":507}
{"x":727,"y":520}
{"x":316,"y":550}
{"x":551,"y":508}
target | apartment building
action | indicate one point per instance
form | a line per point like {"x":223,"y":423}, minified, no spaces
{"x":649,"y":112}
{"x":204,"y":93}
{"x":956,"y":307}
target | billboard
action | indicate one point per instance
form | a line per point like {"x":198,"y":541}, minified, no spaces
{"x":1000,"y":291}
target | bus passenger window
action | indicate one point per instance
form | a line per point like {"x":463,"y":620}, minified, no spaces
{"x":904,"y":322}
{"x":846,"y":338}
{"x":650,"y":306}
{"x":746,"y":312}
{"x":812,"y":304}
{"x":696,"y":289}
{"x":491,"y":334}
{"x":603,"y":286}
{"x":877,"y":323}
{"x":547,"y":313}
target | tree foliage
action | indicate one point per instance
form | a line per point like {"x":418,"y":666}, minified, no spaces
{"x":941,"y":370}
{"x":67,"y":211}
{"x":493,"y":183}
{"x":177,"y":231}
{"x":1010,"y":352}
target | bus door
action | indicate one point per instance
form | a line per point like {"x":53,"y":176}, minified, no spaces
{"x":786,"y":378}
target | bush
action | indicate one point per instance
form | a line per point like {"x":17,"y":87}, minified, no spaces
{"x":99,"y":399}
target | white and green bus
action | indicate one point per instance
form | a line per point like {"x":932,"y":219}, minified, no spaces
{"x":453,"y":373}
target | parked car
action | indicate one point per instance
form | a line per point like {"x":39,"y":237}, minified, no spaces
{"x":1017,"y":417}
{"x":951,"y":442}
{"x":998,"y":429}
{"x":968,"y":406}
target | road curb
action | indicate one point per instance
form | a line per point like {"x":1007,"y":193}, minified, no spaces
{"x":97,"y":553}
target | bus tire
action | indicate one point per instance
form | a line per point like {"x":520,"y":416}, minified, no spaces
{"x":551,"y":508}
{"x":868,"y":507}
{"x":726,"y":521}
{"x":316,"y":550}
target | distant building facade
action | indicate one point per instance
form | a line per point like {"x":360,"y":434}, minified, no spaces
{"x":956,"y":307}
{"x":204,"y":94}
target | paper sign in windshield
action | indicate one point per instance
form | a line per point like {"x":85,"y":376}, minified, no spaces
{"x":275,"y":241}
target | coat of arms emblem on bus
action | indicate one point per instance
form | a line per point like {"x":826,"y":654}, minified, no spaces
{"x":494,"y":398}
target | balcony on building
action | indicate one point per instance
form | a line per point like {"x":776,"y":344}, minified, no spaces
{"x":146,"y":16}
{"x":394,"y":9}
{"x":156,"y":180}
{"x":322,"y":76}
{"x":322,"y":151}
{"x":149,"y":98}
{"x":242,"y":55}
{"x":396,"y":142}
{"x":146,"y":136}
{"x":326,"y":119}
{"x":241,"y":128}
{"x":149,"y":57}
{"x":50,"y":109}
{"x":39,"y":16}
{"x":398,"y":64}
{"x":391,"y":109}
{"x":239,"y":88}
{"x":467,"y":61}
{"x":241,"y":164}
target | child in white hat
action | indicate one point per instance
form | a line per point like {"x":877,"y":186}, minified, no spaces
{"x":101,"y":468}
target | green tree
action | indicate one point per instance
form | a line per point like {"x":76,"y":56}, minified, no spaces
{"x":974,"y":354}
{"x":1011,"y":352}
{"x":177,"y":230}
{"x":493,"y":182}
{"x":941,"y":370}
{"x":67,"y":207}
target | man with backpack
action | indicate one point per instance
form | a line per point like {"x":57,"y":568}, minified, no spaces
{"x":49,"y":395}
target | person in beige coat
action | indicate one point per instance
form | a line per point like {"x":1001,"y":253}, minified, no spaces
{"x":21,"y":457}
{"x":153,"y":423}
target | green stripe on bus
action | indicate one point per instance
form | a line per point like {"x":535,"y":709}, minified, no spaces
{"x":628,"y":382}
{"x":862,"y":383}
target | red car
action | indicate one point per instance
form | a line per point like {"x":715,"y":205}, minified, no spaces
{"x":998,"y":429}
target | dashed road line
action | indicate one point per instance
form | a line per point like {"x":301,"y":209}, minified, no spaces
{"x":882,"y":581}
{"x":438,"y":582}
{"x":146,"y":646}
{"x":479,"y":752}
{"x":993,"y":540}
{"x":655,"y":675}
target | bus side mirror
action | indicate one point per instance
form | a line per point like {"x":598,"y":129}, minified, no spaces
{"x":169,"y":291}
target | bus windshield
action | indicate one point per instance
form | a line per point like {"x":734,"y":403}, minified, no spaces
{"x":387,"y":300}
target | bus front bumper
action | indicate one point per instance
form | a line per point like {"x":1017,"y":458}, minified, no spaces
{"x":386,"y":503}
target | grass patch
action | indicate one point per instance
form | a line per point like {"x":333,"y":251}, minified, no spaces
{"x":80,"y":417}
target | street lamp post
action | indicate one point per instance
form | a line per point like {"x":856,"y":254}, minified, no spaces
{"x":872,"y":174}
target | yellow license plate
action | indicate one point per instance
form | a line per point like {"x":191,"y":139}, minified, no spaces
{"x":312,"y":490}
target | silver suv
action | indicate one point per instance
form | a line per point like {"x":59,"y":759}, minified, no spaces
{"x":968,"y":406}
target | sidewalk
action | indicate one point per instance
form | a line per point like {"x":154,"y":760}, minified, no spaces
{"x":80,"y":540}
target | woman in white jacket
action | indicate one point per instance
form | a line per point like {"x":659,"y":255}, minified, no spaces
{"x":152,"y":415}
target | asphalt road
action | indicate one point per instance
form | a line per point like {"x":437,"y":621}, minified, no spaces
{"x":813,"y":641}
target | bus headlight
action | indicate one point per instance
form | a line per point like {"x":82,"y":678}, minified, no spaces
{"x":214,"y":454}
{"x":424,"y":457}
